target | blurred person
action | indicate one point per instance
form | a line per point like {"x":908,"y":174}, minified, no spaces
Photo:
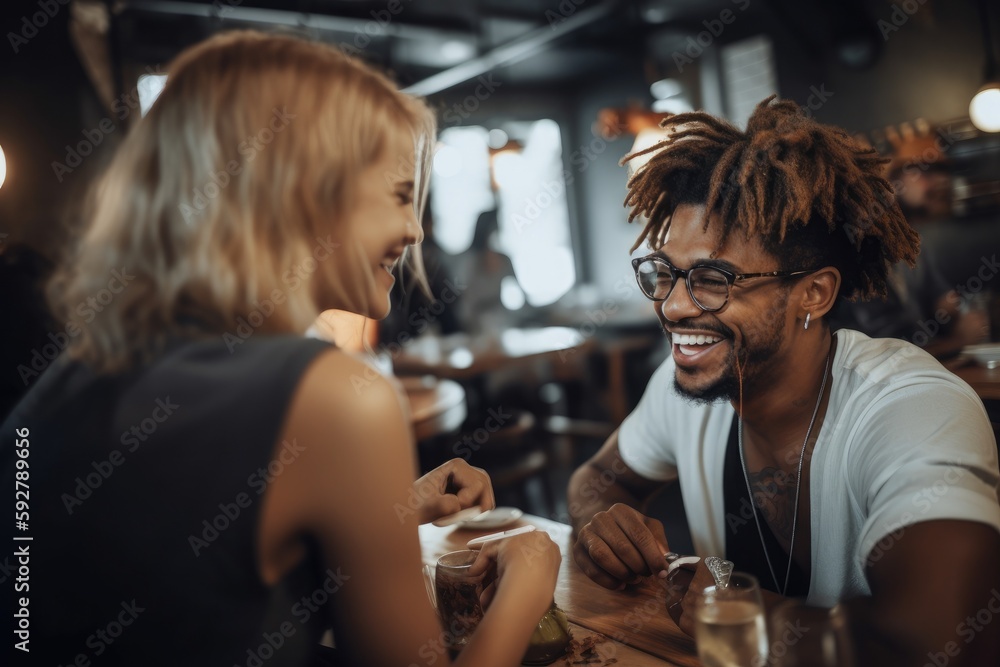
{"x":837,"y":468}
{"x":483,"y":271}
{"x":207,"y":485}
{"x":919,"y":306}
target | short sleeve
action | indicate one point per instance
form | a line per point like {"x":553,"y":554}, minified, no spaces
{"x":927,"y":453}
{"x":644,"y":440}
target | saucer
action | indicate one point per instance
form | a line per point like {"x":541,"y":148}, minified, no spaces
{"x":493,"y":519}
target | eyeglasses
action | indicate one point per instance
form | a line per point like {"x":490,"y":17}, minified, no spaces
{"x":707,"y":285}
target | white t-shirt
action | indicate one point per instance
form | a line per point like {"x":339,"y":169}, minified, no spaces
{"x":903,"y":441}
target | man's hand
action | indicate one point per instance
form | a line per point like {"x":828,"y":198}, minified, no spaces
{"x":619,"y":546}
{"x":451,"y":487}
{"x":683,"y":586}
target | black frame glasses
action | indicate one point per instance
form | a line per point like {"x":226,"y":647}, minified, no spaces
{"x":729,"y":277}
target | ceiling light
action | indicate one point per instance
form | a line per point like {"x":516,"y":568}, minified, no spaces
{"x":455,"y":51}
{"x":3,"y":167}
{"x":984,"y":109}
{"x":665,"y":88}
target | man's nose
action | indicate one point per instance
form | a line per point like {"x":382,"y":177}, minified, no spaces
{"x":679,"y":305}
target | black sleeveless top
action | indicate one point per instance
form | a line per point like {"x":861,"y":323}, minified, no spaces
{"x":743,"y":545}
{"x":145,"y":494}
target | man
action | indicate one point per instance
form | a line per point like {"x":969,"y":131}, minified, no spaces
{"x":873,"y":470}
{"x":919,"y":306}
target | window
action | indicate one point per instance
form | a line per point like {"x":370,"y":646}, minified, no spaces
{"x":530,"y":198}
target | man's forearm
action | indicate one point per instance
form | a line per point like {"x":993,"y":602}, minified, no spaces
{"x":592,"y":490}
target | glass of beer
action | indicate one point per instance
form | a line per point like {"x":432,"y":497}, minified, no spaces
{"x":729,"y":624}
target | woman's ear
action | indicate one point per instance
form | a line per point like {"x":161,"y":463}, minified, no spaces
{"x":820,"y":290}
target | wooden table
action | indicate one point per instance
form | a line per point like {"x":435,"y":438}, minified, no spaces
{"x":460,"y":356}
{"x":633,"y":623}
{"x":437,"y":406}
{"x":985,"y":381}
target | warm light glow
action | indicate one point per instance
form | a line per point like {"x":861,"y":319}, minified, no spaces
{"x":3,"y":167}
{"x":984,"y":110}
{"x":646,"y":138}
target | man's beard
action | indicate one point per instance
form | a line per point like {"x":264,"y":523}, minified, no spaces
{"x":727,"y":387}
{"x":753,"y":360}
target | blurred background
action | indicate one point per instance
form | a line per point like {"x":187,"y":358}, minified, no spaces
{"x":534,"y":311}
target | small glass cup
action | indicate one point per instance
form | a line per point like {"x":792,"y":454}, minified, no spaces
{"x":803,"y":636}
{"x":729,"y":624}
{"x":457,"y":596}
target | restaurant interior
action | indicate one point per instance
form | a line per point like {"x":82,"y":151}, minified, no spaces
{"x":534,"y":342}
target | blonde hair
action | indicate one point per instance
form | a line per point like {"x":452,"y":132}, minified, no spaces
{"x":231,"y":192}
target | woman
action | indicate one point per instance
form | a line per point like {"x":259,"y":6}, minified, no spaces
{"x":209,"y":487}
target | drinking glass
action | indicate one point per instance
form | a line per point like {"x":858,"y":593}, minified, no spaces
{"x":729,"y":624}
{"x":457,"y":596}
{"x":803,"y":636}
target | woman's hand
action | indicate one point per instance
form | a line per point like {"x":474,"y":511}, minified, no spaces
{"x":522,"y":569}
{"x":452,"y":487}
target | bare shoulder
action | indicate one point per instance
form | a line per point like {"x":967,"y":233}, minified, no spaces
{"x":352,"y":424}
{"x":339,"y":385}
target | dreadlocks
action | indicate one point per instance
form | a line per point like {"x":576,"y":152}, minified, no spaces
{"x":813,"y":195}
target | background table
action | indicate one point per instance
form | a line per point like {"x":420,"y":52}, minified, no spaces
{"x":985,"y":381}
{"x":633,"y":622}
{"x":460,"y":356}
{"x":436,"y":406}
